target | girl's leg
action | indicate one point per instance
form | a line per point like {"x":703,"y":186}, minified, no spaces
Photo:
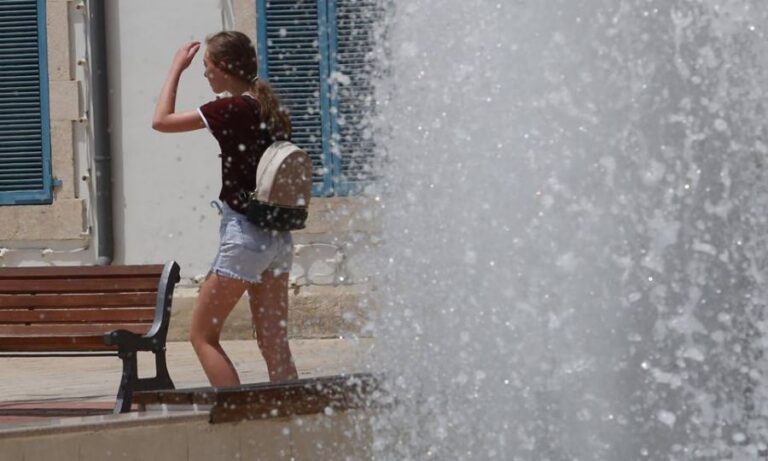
{"x":269,"y":308}
{"x":218,"y":296}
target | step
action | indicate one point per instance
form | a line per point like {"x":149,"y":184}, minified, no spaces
{"x":314,"y":312}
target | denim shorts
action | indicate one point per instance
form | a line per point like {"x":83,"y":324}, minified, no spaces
{"x":246,"y":250}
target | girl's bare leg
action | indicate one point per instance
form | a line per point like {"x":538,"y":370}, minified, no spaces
{"x":218,"y":296}
{"x":269,"y":308}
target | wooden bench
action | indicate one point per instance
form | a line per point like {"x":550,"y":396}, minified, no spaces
{"x":90,"y":311}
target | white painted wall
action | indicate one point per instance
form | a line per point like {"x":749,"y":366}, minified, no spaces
{"x":164,"y":183}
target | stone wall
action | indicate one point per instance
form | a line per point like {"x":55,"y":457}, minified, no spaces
{"x":64,"y":219}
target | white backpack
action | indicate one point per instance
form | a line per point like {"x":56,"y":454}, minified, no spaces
{"x":283,"y":188}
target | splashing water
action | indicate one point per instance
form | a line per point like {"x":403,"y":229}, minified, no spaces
{"x":574,"y":218}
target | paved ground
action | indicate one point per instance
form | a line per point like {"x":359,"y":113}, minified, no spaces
{"x":92,"y":381}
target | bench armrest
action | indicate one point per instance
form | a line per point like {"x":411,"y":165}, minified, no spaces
{"x":128,"y":340}
{"x":168,"y":280}
{"x":154,"y":339}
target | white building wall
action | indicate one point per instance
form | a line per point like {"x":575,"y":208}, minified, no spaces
{"x":164,"y":183}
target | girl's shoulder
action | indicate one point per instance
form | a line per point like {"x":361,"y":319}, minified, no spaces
{"x":229,"y":105}
{"x":225,"y":101}
{"x":227,"y":113}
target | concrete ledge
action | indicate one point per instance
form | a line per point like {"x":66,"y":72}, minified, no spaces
{"x":315,"y":312}
{"x":189,"y":436}
{"x":62,"y":220}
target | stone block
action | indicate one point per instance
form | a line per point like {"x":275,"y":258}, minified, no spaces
{"x":213,"y":442}
{"x":342,"y":435}
{"x":356,"y":311}
{"x":57,"y":31}
{"x":245,"y":17}
{"x":62,"y":149}
{"x":314,"y":313}
{"x":341,"y":215}
{"x":237,"y":326}
{"x":64,"y":100}
{"x":136,"y":443}
{"x":62,"y":220}
{"x":333,"y":435}
{"x":12,"y":448}
{"x":66,"y":447}
{"x":264,"y":440}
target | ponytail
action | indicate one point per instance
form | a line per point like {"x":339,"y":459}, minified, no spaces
{"x":271,"y":111}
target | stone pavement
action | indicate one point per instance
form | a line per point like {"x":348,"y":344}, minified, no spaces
{"x":56,"y":382}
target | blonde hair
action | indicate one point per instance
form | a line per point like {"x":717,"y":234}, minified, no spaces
{"x":234,"y":53}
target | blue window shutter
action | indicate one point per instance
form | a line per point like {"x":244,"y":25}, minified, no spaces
{"x":291,"y":58}
{"x":316,"y":55}
{"x":25,"y":157}
{"x":353,"y":92}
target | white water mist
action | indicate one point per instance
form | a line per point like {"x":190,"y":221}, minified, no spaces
{"x":574,"y":220}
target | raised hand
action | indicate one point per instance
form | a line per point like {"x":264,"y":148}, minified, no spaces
{"x":166,"y":119}
{"x":185,"y":55}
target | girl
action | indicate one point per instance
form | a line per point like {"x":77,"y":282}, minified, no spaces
{"x":249,"y":258}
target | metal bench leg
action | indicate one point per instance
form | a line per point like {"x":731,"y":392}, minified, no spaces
{"x":131,"y":383}
{"x":162,"y":379}
{"x":127,"y":383}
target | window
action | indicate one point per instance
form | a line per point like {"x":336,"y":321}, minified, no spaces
{"x":25,"y":153}
{"x":317,"y":55}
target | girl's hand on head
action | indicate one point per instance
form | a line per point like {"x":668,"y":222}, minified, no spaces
{"x":185,"y":55}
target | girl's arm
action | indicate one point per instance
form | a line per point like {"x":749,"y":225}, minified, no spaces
{"x":166,"y":119}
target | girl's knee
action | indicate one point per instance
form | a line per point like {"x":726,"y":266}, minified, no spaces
{"x":195,"y":339}
{"x":203,"y":338}
{"x":205,"y":330}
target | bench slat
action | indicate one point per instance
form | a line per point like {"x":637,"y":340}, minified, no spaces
{"x":53,"y":343}
{"x":70,"y":329}
{"x":9,"y":273}
{"x":67,"y":301}
{"x":95,"y":285}
{"x":46,"y":316}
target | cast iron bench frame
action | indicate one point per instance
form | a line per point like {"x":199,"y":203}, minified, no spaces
{"x":87,"y":311}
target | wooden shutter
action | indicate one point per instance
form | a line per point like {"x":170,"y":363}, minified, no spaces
{"x":290,"y":58}
{"x":353,"y":93}
{"x":25,"y":176}
{"x":316,"y":54}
